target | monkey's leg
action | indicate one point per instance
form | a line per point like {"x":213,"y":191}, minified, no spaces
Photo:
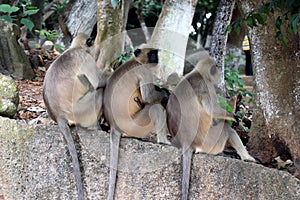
{"x":237,"y":144}
{"x":186,"y":171}
{"x":71,"y":147}
{"x":158,"y":115}
{"x":115,"y":137}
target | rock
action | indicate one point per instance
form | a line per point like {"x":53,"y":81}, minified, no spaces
{"x":48,"y":45}
{"x":35,"y":164}
{"x":13,"y":60}
{"x":9,"y":96}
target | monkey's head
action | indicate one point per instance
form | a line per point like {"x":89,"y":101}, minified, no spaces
{"x":208,"y":69}
{"x":80,"y":41}
{"x":146,"y":55}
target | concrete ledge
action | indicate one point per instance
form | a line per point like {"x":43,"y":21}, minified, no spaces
{"x":35,"y":164}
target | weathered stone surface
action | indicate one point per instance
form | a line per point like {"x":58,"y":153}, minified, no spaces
{"x":35,"y":164}
{"x":9,"y":96}
{"x":12,"y":57}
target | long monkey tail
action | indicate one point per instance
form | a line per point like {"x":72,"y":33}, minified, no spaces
{"x":115,"y":137}
{"x":71,"y":147}
{"x":186,"y":171}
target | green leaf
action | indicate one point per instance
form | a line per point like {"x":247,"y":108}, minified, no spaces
{"x":238,"y":30}
{"x":114,"y":3}
{"x":30,"y":12}
{"x":250,"y":22}
{"x":260,"y":19}
{"x":8,"y":9}
{"x":229,"y":108}
{"x":228,"y":29}
{"x":7,"y":18}
{"x":28,"y":23}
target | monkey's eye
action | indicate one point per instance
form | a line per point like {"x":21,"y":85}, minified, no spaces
{"x":137,"y":52}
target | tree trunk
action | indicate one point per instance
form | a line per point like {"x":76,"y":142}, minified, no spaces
{"x":276,"y":127}
{"x":219,"y":38}
{"x":110,"y":37}
{"x":171,"y":34}
{"x":82,"y":17}
{"x":142,"y":21}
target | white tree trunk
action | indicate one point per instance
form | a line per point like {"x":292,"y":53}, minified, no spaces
{"x":171,"y":35}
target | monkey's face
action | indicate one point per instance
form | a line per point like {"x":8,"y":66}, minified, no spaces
{"x":146,"y":56}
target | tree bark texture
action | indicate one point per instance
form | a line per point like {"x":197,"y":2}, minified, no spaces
{"x":219,"y":37}
{"x":276,"y":127}
{"x":110,"y":37}
{"x":82,"y":17}
{"x":171,"y":34}
{"x":142,"y":21}
{"x":13,"y":60}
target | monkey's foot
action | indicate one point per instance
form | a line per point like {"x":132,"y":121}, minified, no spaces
{"x":163,"y":141}
{"x":248,"y":158}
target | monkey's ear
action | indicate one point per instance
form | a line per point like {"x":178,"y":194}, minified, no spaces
{"x":137,"y":52}
{"x":213,"y":70}
{"x":153,"y":56}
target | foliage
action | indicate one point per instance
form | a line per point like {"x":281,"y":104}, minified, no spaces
{"x":60,"y":7}
{"x":121,"y":58}
{"x":224,"y":104}
{"x":149,"y":7}
{"x":234,"y":83}
{"x":18,"y":15}
{"x":290,"y":18}
{"x":48,"y":34}
{"x":235,"y":87}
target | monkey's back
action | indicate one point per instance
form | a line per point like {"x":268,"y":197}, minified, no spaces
{"x":187,"y":119}
{"x":62,"y":89}
{"x":122,"y":83}
{"x":119,"y":103}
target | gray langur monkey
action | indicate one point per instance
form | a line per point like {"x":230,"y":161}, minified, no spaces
{"x":196,"y":121}
{"x":73,"y":93}
{"x":192,"y":58}
{"x":132,"y":105}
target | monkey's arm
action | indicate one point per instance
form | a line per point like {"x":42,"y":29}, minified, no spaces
{"x":85,"y":81}
{"x":149,"y":94}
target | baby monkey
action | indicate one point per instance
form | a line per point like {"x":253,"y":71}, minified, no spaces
{"x":72,"y":93}
{"x":196,"y":121}
{"x":132,"y":104}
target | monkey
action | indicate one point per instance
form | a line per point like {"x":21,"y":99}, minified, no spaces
{"x":192,"y":58}
{"x":73,"y":93}
{"x":131,"y":104}
{"x":164,"y":100}
{"x":196,"y":121}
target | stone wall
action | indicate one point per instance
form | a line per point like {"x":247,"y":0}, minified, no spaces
{"x":35,"y":164}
